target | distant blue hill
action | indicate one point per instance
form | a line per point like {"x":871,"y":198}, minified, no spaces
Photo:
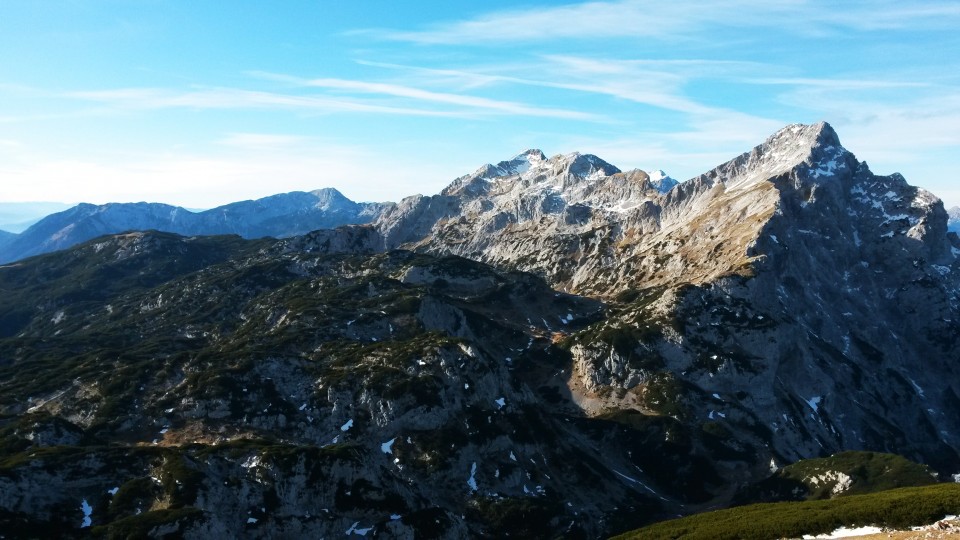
{"x":282,"y":215}
{"x":6,"y":237}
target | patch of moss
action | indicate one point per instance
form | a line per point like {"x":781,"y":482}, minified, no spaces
{"x":131,"y":496}
{"x":869,"y":472}
{"x":665,"y":394}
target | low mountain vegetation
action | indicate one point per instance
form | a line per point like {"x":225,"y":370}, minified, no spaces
{"x":897,"y":509}
{"x":843,"y":474}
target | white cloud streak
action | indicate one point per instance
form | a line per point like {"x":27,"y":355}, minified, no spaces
{"x":837,"y":84}
{"x":649,"y":87}
{"x":678,"y":20}
{"x":471,"y":102}
{"x":230,"y":98}
{"x":654,"y":83}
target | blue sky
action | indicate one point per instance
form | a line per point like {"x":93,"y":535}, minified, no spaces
{"x":204,"y":103}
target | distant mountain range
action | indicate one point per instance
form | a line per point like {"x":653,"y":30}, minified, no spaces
{"x":953,"y":219}
{"x":282,"y":215}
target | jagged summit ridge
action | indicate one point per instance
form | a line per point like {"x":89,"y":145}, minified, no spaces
{"x":661,"y":181}
{"x":533,"y":163}
{"x":329,"y":197}
{"x":574,"y":217}
{"x":816,"y":146}
{"x":814,"y":151}
{"x":521,"y":163}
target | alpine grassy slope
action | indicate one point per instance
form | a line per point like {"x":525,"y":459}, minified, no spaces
{"x":550,"y":347}
{"x":893,"y":509}
{"x":846,"y":473}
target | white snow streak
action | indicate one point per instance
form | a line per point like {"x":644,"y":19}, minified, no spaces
{"x":472,"y":481}
{"x":87,"y":512}
{"x":387,"y":447}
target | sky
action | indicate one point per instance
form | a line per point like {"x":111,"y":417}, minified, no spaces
{"x":203,"y":103}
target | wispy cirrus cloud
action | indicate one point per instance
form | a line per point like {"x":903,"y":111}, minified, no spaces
{"x":685,"y":68}
{"x":577,"y":21}
{"x":411,"y":101}
{"x":230,"y":98}
{"x":838,"y":84}
{"x":677,"y":20}
{"x":655,"y":83}
{"x":891,"y":15}
{"x":649,"y":87}
{"x":445,"y":98}
{"x":701,"y":133}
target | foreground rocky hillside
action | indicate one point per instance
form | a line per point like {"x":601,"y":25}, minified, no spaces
{"x":549,"y":347}
{"x":309,"y":387}
{"x":283,"y":215}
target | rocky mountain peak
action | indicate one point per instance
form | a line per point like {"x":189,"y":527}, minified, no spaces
{"x":521,"y":163}
{"x":532,"y":163}
{"x":328,"y":197}
{"x":953,"y":219}
{"x":660,"y":181}
{"x":801,"y":138}
{"x":328,"y":192}
{"x":808,"y":153}
{"x":574,"y":217}
{"x":582,"y":165}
